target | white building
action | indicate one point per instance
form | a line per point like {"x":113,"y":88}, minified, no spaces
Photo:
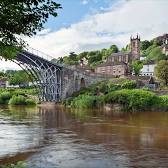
{"x":148,"y":69}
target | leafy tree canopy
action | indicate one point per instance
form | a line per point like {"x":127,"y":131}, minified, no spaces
{"x":94,"y":56}
{"x":137,"y":66}
{"x":156,"y":54}
{"x":114,"y":49}
{"x":145,"y":44}
{"x":22,"y":17}
{"x":161,"y":71}
{"x":82,"y":55}
{"x":2,"y":74}
{"x":20,"y":78}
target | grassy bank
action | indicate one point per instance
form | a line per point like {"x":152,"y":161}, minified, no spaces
{"x":17,"y":96}
{"x":126,"y":94}
{"x":18,"y":165}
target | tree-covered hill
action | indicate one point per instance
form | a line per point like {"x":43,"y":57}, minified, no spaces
{"x":150,"y":50}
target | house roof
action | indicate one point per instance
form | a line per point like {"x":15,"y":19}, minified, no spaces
{"x":120,"y":53}
{"x":111,"y":64}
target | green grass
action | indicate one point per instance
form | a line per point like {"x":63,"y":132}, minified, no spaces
{"x":18,"y":165}
{"x":21,"y":100}
{"x":17,"y":96}
{"x":86,"y":101}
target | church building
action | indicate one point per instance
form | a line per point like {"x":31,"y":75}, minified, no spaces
{"x":117,"y":64}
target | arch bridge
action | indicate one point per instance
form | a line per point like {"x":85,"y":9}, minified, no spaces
{"x":54,"y":81}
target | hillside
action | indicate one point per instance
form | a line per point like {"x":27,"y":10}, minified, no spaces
{"x":151,"y":50}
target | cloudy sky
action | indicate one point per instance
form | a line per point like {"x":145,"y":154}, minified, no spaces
{"x":84,"y":25}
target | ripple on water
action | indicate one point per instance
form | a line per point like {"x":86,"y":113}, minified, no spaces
{"x":64,"y":139}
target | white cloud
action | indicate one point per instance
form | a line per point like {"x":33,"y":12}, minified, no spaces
{"x":113,"y":26}
{"x":85,"y":2}
{"x":148,"y":18}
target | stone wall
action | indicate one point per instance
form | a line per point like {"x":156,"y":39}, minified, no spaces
{"x":74,"y":80}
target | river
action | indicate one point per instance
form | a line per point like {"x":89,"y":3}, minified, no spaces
{"x":54,"y":137}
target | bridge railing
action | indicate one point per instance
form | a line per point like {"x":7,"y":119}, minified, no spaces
{"x":39,"y":53}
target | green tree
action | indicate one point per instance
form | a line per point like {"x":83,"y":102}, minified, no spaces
{"x":71,"y":59}
{"x":10,"y":73}
{"x":20,"y":78}
{"x":161,"y":71}
{"x":22,"y":17}
{"x":82,"y":55}
{"x":111,"y":50}
{"x":114,"y":49}
{"x":2,"y":74}
{"x":156,"y":54}
{"x":145,"y":44}
{"x":94,"y":57}
{"x":60,"y":60}
{"x":104,"y":53}
{"x":137,"y":66}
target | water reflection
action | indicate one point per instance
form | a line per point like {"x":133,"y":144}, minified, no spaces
{"x":58,"y":137}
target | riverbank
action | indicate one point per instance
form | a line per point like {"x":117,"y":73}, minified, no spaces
{"x":18,"y":96}
{"x":124,"y":95}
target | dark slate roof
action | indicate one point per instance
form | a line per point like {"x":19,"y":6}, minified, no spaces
{"x":111,"y":64}
{"x":120,"y":53}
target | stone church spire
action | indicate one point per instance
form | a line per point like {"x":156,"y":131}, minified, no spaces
{"x":135,"y":47}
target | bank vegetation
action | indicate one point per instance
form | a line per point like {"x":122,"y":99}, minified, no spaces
{"x":18,"y":96}
{"x":124,"y":93}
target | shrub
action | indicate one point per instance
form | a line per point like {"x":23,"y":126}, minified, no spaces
{"x":17,"y":100}
{"x":133,"y":100}
{"x":4,"y":97}
{"x":129,"y":85}
{"x":19,"y":92}
{"x":86,"y":101}
{"x":164,"y":101}
{"x":30,"y":102}
{"x":67,"y":101}
{"x":1,"y":101}
{"x":18,"y":165}
{"x":113,"y":87}
{"x":103,"y":87}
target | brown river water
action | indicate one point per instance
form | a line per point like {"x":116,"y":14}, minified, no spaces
{"x":54,"y":137}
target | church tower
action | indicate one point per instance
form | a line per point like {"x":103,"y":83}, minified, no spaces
{"x":135,"y":48}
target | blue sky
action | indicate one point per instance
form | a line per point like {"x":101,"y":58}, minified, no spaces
{"x":74,"y":10}
{"x":85,"y":25}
